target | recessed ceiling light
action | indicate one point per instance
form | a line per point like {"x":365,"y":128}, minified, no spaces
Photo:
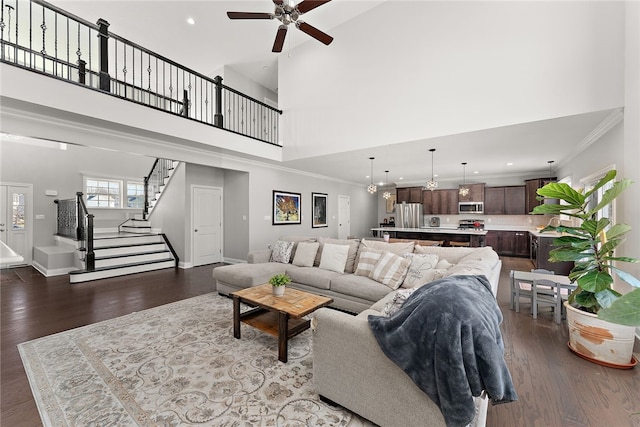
{"x":509,"y":163}
{"x":476,"y":171}
{"x":265,"y":67}
{"x":401,"y":178}
{"x":191,"y":21}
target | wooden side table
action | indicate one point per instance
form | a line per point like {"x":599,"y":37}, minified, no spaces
{"x":278,"y":316}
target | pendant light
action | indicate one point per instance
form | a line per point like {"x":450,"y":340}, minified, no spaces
{"x":432,"y":184}
{"x":386,"y":194}
{"x":372,"y":187}
{"x":464,"y":190}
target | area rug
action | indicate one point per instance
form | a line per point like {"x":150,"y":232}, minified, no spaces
{"x":175,"y":365}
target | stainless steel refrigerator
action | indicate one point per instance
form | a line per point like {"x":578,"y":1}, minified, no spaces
{"x":409,"y":215}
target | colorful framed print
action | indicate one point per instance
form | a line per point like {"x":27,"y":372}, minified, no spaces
{"x":286,"y":208}
{"x":319,"y":204}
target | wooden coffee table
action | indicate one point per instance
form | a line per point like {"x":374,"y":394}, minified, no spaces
{"x":278,"y":316}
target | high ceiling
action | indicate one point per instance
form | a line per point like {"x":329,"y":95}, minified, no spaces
{"x":215,"y":41}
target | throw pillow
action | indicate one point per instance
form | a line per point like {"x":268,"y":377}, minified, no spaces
{"x":442,"y":269}
{"x":390,"y":270}
{"x":281,"y":251}
{"x":334,"y":257}
{"x":418,"y":269}
{"x":367,"y":260}
{"x":353,"y":251}
{"x":398,"y":300}
{"x":305,"y":254}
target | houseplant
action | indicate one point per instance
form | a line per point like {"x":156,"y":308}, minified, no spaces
{"x":590,"y":245}
{"x":278,"y":283}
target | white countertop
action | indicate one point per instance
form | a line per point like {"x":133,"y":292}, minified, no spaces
{"x":432,"y":230}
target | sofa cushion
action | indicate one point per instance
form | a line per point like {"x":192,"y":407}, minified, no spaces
{"x":305,"y":254}
{"x":334,"y":257}
{"x":398,"y":248}
{"x":296,"y":240}
{"x":351,"y":258}
{"x":419,"y":268}
{"x":367,"y":259}
{"x":453,"y":255}
{"x":359,"y":286}
{"x":478,"y":262}
{"x":247,"y":275}
{"x":390,"y":270}
{"x":281,"y":251}
{"x":312,"y":276}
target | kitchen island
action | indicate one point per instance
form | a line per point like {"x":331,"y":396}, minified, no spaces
{"x":449,"y":235}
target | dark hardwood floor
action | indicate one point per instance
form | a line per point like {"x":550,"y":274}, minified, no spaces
{"x":555,"y":387}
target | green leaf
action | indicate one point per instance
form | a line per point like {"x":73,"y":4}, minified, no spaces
{"x":595,"y":281}
{"x":624,"y":311}
{"x":622,"y":259}
{"x":553,"y":209}
{"x":611,"y":194}
{"x":607,"y":297}
{"x":562,"y":191}
{"x":617,"y":230}
{"x":630,"y":279}
{"x":606,"y":178}
{"x":587,"y":300}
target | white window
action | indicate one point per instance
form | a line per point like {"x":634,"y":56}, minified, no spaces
{"x":135,"y":195}
{"x":590,"y":182}
{"x":103,"y":193}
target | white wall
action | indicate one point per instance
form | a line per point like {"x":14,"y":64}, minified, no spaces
{"x":465,"y":66}
{"x":49,"y":168}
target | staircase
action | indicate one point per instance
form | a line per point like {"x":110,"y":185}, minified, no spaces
{"x":134,"y":249}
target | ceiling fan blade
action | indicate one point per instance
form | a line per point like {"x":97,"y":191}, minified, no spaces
{"x":314,"y":32}
{"x":249,"y":15}
{"x":279,"y":42}
{"x":307,"y":5}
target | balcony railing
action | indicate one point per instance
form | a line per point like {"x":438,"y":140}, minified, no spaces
{"x":43,"y":38}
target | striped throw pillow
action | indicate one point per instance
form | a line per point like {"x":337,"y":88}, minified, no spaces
{"x":390,"y":270}
{"x":367,"y":260}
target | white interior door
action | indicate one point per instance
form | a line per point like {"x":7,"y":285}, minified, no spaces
{"x":344,"y":217}
{"x":206,"y":205}
{"x":16,"y":219}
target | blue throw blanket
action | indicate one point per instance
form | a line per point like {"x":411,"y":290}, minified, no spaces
{"x":447,"y":338}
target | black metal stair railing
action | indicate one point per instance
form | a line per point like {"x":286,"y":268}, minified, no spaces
{"x":46,"y":39}
{"x":154,"y":182}
{"x":75,"y":222}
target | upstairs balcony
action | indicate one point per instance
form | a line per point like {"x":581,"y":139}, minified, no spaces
{"x":41,"y":38}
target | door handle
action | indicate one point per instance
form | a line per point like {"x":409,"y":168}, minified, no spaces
{"x":196,"y":230}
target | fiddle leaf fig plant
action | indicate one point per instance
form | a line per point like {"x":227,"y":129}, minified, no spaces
{"x":590,"y":245}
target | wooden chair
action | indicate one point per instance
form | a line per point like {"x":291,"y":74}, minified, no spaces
{"x":524,"y":289}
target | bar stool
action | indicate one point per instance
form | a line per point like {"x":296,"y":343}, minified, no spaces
{"x":460,"y":244}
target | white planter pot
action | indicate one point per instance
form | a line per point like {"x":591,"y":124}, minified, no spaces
{"x":598,"y":340}
{"x":278,"y":291}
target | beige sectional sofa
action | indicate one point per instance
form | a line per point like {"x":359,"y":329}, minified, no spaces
{"x":350,"y":291}
{"x":349,"y":368}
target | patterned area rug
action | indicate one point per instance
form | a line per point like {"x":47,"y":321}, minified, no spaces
{"x":175,"y":365}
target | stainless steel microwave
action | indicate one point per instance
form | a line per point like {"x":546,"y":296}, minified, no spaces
{"x":471,"y":207}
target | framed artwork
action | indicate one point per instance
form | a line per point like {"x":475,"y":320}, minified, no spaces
{"x":391,"y":204}
{"x":319,"y":203}
{"x":286,"y":208}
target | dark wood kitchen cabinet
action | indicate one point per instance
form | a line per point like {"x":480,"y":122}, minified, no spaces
{"x":444,"y":202}
{"x":476,"y":193}
{"x":427,"y":202}
{"x":508,"y":243}
{"x":532,"y":186}
{"x":409,"y":195}
{"x":505,"y":200}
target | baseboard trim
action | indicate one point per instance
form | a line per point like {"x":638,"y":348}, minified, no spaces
{"x":233,"y":261}
{"x":50,"y":273}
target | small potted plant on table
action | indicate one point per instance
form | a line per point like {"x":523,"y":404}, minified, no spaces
{"x":594,"y":307}
{"x":278,"y":283}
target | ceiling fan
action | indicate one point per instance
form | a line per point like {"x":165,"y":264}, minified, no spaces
{"x":287,"y":12}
